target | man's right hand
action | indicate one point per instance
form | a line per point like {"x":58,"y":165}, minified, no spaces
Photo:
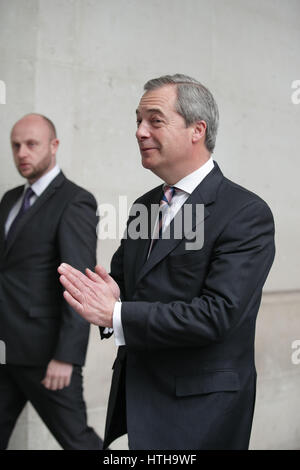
{"x":92,"y":296}
{"x":101,"y":271}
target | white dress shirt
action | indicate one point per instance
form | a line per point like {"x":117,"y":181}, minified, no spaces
{"x":38,"y":188}
{"x":186,"y":186}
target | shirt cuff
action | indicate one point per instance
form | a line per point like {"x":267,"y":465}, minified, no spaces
{"x":107,"y":330}
{"x":117,"y":324}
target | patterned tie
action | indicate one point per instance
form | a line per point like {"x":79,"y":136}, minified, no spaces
{"x":164,"y":205}
{"x":24,"y":207}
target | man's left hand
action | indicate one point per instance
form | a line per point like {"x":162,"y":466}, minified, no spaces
{"x":58,"y":375}
{"x":91,"y":296}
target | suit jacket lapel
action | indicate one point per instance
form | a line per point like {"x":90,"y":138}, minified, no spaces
{"x":49,"y":191}
{"x":144,"y":243}
{"x":7,"y":204}
{"x":205,"y":193}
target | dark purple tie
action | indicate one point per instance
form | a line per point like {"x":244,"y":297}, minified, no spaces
{"x":24,"y":207}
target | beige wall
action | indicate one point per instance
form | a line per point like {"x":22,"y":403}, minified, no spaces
{"x":83,"y":63}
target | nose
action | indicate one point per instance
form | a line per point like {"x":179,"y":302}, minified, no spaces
{"x":22,"y":151}
{"x":142,"y":131}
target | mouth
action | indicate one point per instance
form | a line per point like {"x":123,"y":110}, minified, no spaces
{"x":147,"y":149}
{"x":23,"y":166}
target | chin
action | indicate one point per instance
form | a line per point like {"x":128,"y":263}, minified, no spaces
{"x":28,"y":175}
{"x":24,"y":173}
{"x":148,"y":163}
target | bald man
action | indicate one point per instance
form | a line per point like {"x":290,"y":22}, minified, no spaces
{"x":44,"y":222}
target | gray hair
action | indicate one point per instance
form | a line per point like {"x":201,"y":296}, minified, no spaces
{"x":194,"y":103}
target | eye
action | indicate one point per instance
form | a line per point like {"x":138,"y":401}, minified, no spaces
{"x":138,"y":122}
{"x":156,"y":121}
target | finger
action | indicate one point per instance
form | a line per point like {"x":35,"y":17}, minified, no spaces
{"x":71,"y":273}
{"x":93,"y":276}
{"x":101,"y":271}
{"x":54,"y":383}
{"x":67,"y":275}
{"x":64,"y":267}
{"x":73,"y":302}
{"x":74,"y":287}
{"x":67,"y":267}
{"x":46,"y":382}
{"x":77,"y":278}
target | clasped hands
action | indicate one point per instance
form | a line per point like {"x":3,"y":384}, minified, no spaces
{"x":93,"y":295}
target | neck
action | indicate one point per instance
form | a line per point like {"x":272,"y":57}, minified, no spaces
{"x":176,"y":174}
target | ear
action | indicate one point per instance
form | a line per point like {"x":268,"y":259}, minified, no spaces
{"x":199,"y":131}
{"x":54,"y":146}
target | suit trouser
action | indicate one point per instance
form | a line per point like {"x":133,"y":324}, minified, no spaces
{"x":63,"y":411}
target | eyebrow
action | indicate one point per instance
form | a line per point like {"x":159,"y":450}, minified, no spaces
{"x":26,"y":141}
{"x":152,"y":110}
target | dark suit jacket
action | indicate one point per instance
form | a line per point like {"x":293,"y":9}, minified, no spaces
{"x":36,"y":323}
{"x":187,"y":372}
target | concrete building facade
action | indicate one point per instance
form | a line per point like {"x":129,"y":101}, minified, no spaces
{"x":83,"y":63}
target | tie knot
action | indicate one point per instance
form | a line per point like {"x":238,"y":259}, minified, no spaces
{"x":26,"y":199}
{"x":168,"y":194}
{"x":28,"y":193}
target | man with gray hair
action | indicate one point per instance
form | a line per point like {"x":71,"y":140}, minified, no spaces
{"x":183,"y":314}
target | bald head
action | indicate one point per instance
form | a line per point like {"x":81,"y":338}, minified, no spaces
{"x":39,"y":118}
{"x":34,"y":145}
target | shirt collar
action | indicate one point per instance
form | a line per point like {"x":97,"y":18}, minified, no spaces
{"x":191,"y":181}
